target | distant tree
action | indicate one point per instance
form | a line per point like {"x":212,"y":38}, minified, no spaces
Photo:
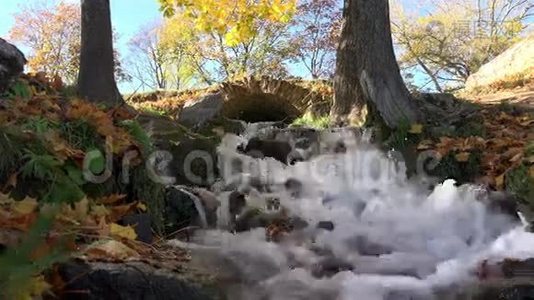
{"x":315,"y":34}
{"x":453,"y":39}
{"x":368,"y":83}
{"x":230,"y":38}
{"x":52,"y":30}
{"x":96,"y":80}
{"x":153,"y":64}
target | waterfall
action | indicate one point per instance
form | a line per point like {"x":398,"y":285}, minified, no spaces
{"x":198,"y":206}
{"x":390,"y":237}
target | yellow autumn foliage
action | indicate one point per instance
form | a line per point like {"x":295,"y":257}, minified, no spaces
{"x":236,"y":20}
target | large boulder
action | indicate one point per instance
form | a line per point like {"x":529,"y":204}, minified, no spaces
{"x":12,"y":63}
{"x":193,"y":160}
{"x":516,"y":61}
{"x":131,"y":280}
{"x":197,"y":113}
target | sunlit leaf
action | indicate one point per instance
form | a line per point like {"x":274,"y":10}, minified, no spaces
{"x":26,"y":206}
{"x":126,"y":232}
{"x":416,"y":129}
{"x":111,"y":249}
{"x":462,"y":157}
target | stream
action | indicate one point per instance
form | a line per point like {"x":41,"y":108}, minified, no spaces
{"x":360,"y":228}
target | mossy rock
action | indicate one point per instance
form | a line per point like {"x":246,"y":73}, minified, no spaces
{"x":194,"y":159}
{"x":521,"y":184}
{"x":463,"y":172}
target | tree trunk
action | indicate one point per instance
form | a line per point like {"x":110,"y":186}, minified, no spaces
{"x":368,"y":79}
{"x":96,"y":80}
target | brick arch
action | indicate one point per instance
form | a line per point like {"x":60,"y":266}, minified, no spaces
{"x":268,"y":99}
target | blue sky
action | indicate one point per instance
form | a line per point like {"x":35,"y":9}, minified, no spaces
{"x":127,"y":17}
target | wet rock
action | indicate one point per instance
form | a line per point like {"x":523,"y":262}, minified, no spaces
{"x":297,"y":223}
{"x":12,"y":63}
{"x":293,"y":187}
{"x":258,"y":148}
{"x":95,"y":281}
{"x":181,"y":157}
{"x":301,"y":137}
{"x":330,"y":266}
{"x":255,"y":218}
{"x":250,"y":219}
{"x":141,"y":223}
{"x":210,"y":204}
{"x":524,"y":291}
{"x":180,"y":210}
{"x":198,"y":112}
{"x":365,"y":247}
{"x":503,"y":203}
{"x":321,"y":251}
{"x":236,"y":203}
{"x":326,"y":225}
{"x":407,"y":295}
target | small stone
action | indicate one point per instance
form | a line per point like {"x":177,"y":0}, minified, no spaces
{"x":297,"y":223}
{"x":326,"y":225}
{"x":330,"y":266}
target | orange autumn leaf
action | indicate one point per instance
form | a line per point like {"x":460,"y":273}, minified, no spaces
{"x":462,"y":157}
{"x":425,"y":145}
{"x":499,"y":182}
{"x":110,"y":250}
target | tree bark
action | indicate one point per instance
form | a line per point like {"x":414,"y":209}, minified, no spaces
{"x":96,"y":80}
{"x":368,"y":79}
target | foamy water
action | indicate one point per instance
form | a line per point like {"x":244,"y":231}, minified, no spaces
{"x":402,"y":240}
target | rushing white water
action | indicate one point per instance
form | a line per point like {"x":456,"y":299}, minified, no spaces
{"x":401,"y":240}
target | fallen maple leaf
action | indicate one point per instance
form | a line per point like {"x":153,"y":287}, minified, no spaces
{"x":463,"y":157}
{"x":110,"y":249}
{"x":76,"y":215}
{"x":25,"y":206}
{"x":499,"y":182}
{"x":416,"y":129}
{"x":99,"y":211}
{"x":4,"y":199}
{"x":126,"y":232}
{"x":425,"y":145}
{"x":141,"y":206}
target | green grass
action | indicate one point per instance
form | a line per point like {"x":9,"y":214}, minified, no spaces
{"x":463,"y":172}
{"x":519,"y":183}
{"x":312,"y":121}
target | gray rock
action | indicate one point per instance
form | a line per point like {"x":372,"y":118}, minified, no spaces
{"x":326,"y":225}
{"x":128,"y":281}
{"x":330,"y":266}
{"x":180,"y":210}
{"x":12,"y":63}
{"x":193,"y":159}
{"x":259,"y":148}
{"x":516,"y":60}
{"x":199,"y":112}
